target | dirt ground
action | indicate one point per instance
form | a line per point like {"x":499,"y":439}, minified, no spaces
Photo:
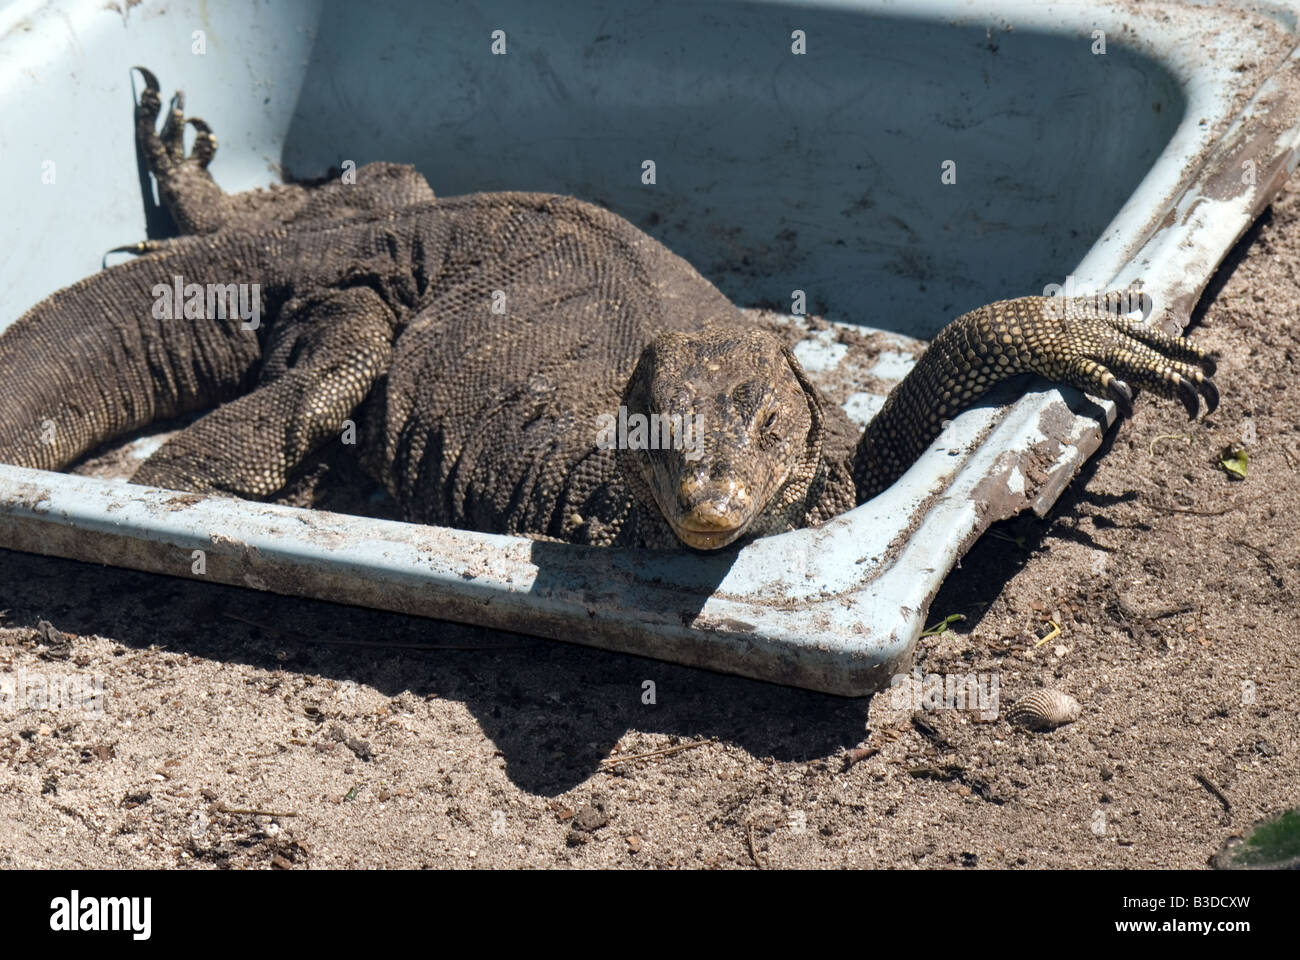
{"x":248,"y":730}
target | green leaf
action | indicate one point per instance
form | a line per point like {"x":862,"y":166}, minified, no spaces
{"x":1271,"y":844}
{"x":942,"y":626}
{"x":1234,"y":461}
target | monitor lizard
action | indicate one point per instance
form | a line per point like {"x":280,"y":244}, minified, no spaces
{"x":474,"y":344}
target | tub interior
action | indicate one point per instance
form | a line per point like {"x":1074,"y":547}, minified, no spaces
{"x":774,"y":172}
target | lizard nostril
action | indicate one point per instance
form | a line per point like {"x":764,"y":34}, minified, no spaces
{"x":714,"y":515}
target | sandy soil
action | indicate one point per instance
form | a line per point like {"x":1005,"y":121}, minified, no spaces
{"x":248,"y":730}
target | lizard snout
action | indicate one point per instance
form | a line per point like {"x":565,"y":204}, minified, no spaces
{"x":712,"y":513}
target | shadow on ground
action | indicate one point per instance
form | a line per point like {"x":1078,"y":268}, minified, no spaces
{"x":554,"y":710}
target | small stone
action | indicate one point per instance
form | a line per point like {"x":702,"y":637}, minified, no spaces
{"x":634,"y":844}
{"x":58,"y":644}
{"x":591,"y":816}
{"x":360,"y":747}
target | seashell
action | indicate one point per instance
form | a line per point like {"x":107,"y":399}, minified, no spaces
{"x":1044,"y":710}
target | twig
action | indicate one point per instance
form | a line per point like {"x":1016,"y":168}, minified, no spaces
{"x":1208,"y":784}
{"x":222,"y":808}
{"x":1151,"y":451}
{"x":1264,"y":557}
{"x":753,"y":850}
{"x":858,"y":754}
{"x":1130,"y":612}
{"x":949,"y":771}
{"x":1198,"y":513}
{"x":1051,"y":634}
{"x":930,"y":733}
{"x":1258,"y":551}
{"x":613,"y":761}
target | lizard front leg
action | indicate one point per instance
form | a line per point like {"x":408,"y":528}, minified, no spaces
{"x":327,"y":353}
{"x":1084,"y":342}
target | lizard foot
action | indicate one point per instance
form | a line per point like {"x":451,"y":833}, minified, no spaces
{"x":1107,"y":354}
{"x":166,"y":149}
{"x":185,"y":186}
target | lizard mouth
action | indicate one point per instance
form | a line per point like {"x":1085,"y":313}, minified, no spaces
{"x":707,"y":541}
{"x":709,"y":530}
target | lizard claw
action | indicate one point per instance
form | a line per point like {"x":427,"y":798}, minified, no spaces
{"x":1122,"y":396}
{"x":1090,"y":344}
{"x":150,"y":81}
{"x":1210,"y":392}
{"x":1154,"y":370}
{"x":1190,"y":398}
{"x":1105,"y":342}
{"x":205,"y":144}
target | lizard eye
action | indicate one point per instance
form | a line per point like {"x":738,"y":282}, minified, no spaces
{"x":769,"y":422}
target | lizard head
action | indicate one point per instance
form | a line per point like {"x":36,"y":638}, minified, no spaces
{"x":732,"y":434}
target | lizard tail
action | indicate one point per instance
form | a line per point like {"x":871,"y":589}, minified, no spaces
{"x":115,"y":352}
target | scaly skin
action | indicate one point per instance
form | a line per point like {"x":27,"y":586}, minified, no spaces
{"x":472,"y":344}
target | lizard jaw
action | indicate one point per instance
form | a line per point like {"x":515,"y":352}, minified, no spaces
{"x":710,"y":540}
{"x":712,"y":525}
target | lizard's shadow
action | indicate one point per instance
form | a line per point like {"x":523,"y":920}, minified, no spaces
{"x":602,"y":577}
{"x":554,"y":711}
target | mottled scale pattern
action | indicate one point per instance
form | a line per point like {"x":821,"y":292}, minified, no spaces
{"x":467,"y":346}
{"x":1045,"y":710}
